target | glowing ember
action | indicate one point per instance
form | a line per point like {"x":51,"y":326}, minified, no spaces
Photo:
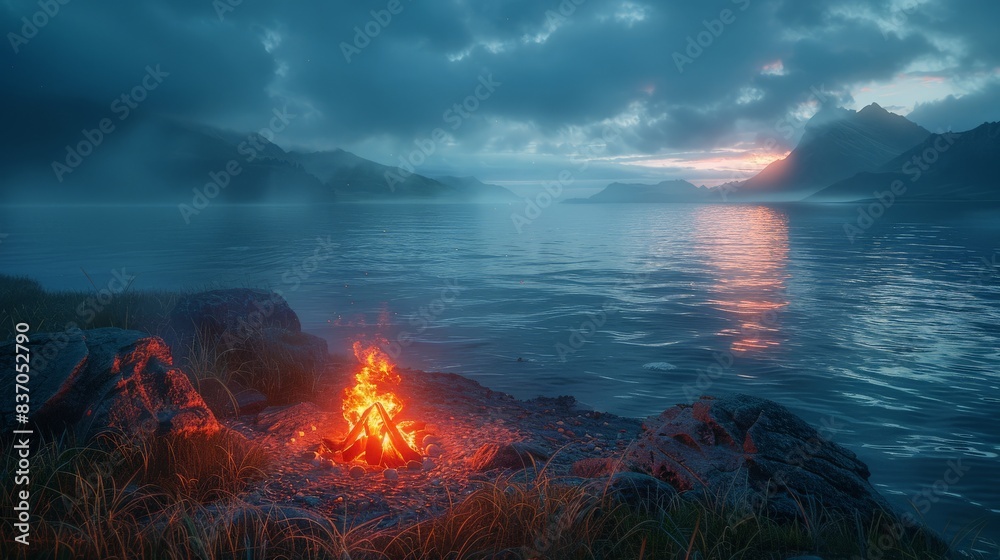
{"x":370,"y":410}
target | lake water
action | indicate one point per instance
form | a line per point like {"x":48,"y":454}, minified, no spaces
{"x":891,"y":341}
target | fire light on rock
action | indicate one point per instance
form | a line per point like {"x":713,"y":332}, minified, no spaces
{"x":371,"y":409}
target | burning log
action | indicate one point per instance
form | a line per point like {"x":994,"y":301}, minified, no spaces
{"x":384,"y":446}
{"x":375,"y":435}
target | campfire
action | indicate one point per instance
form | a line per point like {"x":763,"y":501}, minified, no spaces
{"x":375,"y":435}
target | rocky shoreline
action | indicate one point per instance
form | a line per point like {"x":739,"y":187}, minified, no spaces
{"x":735,"y":449}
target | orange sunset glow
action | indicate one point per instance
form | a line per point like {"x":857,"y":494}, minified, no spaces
{"x":748,"y":248}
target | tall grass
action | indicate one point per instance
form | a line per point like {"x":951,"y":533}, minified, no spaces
{"x":24,"y":300}
{"x":195,"y":498}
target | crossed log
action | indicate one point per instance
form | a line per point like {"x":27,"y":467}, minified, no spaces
{"x":361,"y":441}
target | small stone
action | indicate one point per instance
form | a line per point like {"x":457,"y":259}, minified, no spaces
{"x":413,"y":466}
{"x":357,"y":472}
{"x":560,"y":423}
{"x":434,"y":450}
{"x":561,"y":430}
{"x":312,"y":501}
{"x":428,"y":465}
{"x":391,"y":474}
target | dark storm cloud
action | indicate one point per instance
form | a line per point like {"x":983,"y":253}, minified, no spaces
{"x":959,"y":113}
{"x":566,"y":68}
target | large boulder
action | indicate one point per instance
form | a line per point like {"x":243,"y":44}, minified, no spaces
{"x":756,"y":450}
{"x":232,"y":314}
{"x":106,"y":378}
{"x":255,"y":333}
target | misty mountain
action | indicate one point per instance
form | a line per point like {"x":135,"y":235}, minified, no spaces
{"x":156,"y":160}
{"x":666,"y":191}
{"x":953,"y":167}
{"x":836,"y":145}
{"x":485,"y":192}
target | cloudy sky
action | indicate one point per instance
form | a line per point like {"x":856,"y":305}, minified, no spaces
{"x":634,"y":88}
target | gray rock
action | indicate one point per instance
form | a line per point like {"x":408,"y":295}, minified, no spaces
{"x":107,"y":378}
{"x":250,"y":329}
{"x":640,"y":492}
{"x":233,"y":313}
{"x":759,"y":451}
{"x":517,"y":455}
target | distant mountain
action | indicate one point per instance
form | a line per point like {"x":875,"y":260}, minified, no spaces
{"x":484,"y":192}
{"x":666,"y":191}
{"x":836,"y":145}
{"x":165,"y":160}
{"x":952,"y":167}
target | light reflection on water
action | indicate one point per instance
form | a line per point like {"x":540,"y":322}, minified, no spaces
{"x":894,"y":337}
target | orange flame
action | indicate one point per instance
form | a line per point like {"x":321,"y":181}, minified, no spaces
{"x":377,"y":371}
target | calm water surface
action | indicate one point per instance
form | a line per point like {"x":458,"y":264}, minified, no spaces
{"x":891,"y":341}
